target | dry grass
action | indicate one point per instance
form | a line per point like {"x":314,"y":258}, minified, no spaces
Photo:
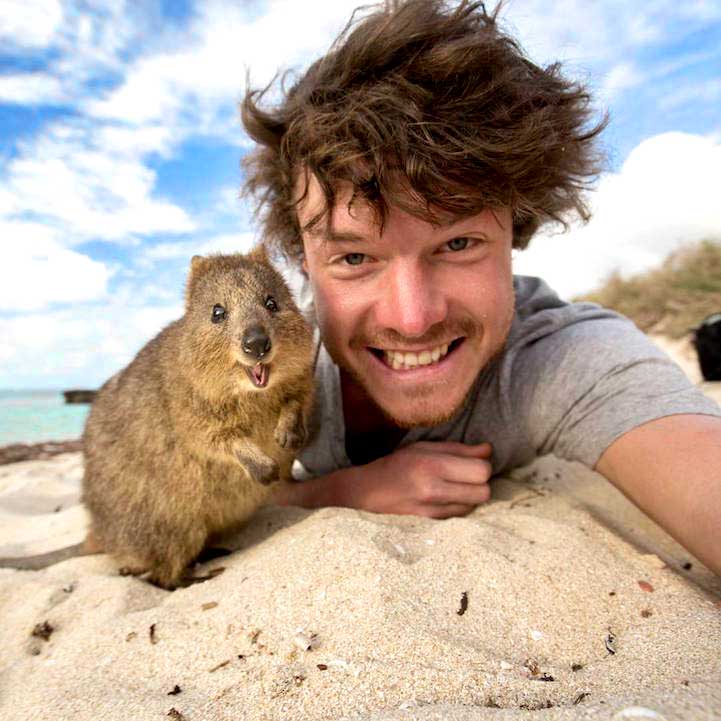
{"x":672,"y":299}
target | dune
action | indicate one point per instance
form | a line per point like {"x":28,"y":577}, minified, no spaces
{"x":556,"y":600}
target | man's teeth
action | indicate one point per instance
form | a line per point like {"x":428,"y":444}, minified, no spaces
{"x":399,"y":360}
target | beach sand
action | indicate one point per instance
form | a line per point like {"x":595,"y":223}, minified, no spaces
{"x":556,"y":600}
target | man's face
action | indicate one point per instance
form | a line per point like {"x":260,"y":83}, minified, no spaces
{"x":412,"y":314}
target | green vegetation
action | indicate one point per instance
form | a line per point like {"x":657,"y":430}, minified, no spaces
{"x":672,"y":299}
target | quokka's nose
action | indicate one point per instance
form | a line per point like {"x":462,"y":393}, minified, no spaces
{"x":256,"y":342}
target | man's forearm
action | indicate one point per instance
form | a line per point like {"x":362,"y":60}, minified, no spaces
{"x":671,"y":469}
{"x":315,"y":493}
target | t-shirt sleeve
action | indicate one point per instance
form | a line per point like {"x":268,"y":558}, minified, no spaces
{"x":580,"y":388}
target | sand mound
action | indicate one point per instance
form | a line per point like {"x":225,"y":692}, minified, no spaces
{"x":558,"y":597}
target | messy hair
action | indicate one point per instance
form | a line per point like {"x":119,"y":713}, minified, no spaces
{"x":431,"y":108}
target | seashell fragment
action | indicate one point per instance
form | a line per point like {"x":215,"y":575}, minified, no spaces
{"x":305,"y":641}
{"x":653,"y":560}
{"x":638,"y":712}
{"x":408,"y":704}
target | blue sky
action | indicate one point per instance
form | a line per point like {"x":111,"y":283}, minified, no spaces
{"x":120,"y":153}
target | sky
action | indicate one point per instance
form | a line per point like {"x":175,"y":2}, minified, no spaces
{"x":120,"y":150}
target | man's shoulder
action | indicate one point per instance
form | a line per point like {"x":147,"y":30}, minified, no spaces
{"x":578,"y":342}
{"x":539,"y":312}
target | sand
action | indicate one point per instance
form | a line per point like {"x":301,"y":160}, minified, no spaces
{"x":556,"y":600}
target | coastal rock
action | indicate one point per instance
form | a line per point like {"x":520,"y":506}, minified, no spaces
{"x":79,"y":396}
{"x":17,"y":452}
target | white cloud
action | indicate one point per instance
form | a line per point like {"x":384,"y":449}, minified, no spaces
{"x":98,"y":34}
{"x":621,"y":77}
{"x":85,"y":344}
{"x":137,"y":142}
{"x":228,"y":243}
{"x":83,"y":40}
{"x":705,"y":58}
{"x":700,"y":10}
{"x":29,"y":23}
{"x":76,"y":180}
{"x":627,"y":74}
{"x":37,"y":271}
{"x":192,"y":87}
{"x":707,"y":91}
{"x":30,"y":89}
{"x":151,"y":92}
{"x":664,"y":196}
{"x":580,"y":29}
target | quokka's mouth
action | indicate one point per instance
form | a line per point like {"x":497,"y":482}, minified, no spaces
{"x":259,"y":374}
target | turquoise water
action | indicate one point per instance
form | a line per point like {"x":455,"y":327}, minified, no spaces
{"x":34,"y":416}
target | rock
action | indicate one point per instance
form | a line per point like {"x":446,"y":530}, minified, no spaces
{"x":37,"y":451}
{"x":79,"y":396}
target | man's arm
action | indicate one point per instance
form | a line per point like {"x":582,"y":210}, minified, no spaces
{"x":436,"y":479}
{"x":671,"y":469}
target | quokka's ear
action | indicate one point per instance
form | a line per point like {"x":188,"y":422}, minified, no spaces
{"x":259,"y":254}
{"x":197,"y":262}
{"x":198,"y":265}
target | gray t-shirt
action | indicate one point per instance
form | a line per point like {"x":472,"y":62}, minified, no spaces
{"x":572,"y":378}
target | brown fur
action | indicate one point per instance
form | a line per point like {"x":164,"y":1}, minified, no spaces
{"x":180,"y":446}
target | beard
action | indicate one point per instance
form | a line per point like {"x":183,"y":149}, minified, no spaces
{"x":420,"y":404}
{"x":425,"y":411}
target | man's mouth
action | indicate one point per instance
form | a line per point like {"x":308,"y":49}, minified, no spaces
{"x":408,"y":360}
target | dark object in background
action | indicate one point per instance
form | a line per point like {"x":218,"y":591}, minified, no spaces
{"x":707,"y":339}
{"x":77,"y":396}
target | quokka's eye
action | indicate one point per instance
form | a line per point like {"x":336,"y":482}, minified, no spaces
{"x":219,"y":314}
{"x":271,"y":305}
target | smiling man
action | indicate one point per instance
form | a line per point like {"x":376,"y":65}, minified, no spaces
{"x":398,"y":173}
{"x":414,"y":360}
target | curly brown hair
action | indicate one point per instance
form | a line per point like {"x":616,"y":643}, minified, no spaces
{"x":431,"y":108}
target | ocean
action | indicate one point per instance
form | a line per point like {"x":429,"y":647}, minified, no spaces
{"x":35,"y":416}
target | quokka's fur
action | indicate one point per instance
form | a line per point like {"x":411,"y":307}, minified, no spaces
{"x":181,"y":445}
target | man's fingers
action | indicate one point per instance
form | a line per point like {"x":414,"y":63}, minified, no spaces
{"x":469,"y":487}
{"x":465,"y":493}
{"x":469,"y":450}
{"x":462,"y":471}
{"x":451,"y":510}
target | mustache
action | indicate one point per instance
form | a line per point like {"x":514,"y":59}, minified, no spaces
{"x":437,"y":334}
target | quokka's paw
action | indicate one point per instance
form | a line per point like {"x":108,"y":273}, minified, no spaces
{"x":291,"y":432}
{"x":264,"y":471}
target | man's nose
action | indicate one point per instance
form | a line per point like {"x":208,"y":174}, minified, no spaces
{"x":411,"y":299}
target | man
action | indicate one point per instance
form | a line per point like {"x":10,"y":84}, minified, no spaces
{"x":399,"y":172}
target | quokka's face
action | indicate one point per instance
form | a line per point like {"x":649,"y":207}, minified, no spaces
{"x":249,"y":322}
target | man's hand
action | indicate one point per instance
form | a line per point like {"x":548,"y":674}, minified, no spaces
{"x":428,"y":478}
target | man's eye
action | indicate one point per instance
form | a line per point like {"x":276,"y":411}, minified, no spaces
{"x":458,"y":244}
{"x":354,"y":258}
{"x":218,"y":314}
